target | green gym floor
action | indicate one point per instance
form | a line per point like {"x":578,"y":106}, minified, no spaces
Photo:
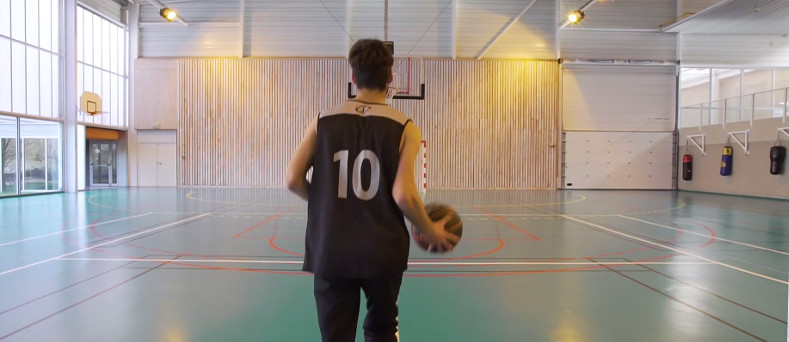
{"x":224,"y":265}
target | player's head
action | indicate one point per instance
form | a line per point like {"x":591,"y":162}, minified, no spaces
{"x":371,"y":62}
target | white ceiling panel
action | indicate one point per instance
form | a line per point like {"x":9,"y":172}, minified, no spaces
{"x":756,"y":17}
{"x":419,"y":28}
{"x":532,"y":36}
{"x":623,"y":14}
{"x":612,"y":29}
{"x":585,"y":44}
{"x":735,"y":50}
{"x":300,"y":28}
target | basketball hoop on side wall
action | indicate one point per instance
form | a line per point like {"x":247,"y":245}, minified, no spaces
{"x":90,"y":103}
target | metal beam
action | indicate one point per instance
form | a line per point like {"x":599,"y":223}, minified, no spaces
{"x":504,"y":30}
{"x":241,"y":29}
{"x":454,"y":29}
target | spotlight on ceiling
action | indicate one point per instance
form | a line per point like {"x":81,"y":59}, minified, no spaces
{"x":168,"y":14}
{"x":575,"y":17}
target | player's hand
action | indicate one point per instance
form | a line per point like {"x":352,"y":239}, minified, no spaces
{"x":440,"y":240}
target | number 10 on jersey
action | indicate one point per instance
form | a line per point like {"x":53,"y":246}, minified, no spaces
{"x":356,"y":174}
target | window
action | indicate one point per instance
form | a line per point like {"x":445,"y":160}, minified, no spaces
{"x":102,"y":67}
{"x":8,"y":157}
{"x":29,"y":57}
{"x":41,"y":151}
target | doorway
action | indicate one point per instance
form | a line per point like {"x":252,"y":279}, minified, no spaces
{"x":102,"y":163}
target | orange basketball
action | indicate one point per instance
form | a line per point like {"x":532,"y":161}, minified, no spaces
{"x":437,"y":211}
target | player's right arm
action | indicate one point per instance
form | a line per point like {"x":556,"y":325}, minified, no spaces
{"x":407,"y":197}
{"x":300,"y":163}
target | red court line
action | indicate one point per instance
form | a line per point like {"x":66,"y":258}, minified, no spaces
{"x":512,"y":225}
{"x":273,"y":245}
{"x":269,"y":219}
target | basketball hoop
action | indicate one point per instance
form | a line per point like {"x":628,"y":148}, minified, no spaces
{"x":90,"y":103}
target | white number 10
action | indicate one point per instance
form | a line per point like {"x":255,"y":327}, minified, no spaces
{"x":375,"y":174}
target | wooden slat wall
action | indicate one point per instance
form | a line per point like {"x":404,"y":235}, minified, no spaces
{"x":488,"y":124}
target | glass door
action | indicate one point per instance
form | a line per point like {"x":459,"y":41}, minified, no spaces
{"x":102,"y":163}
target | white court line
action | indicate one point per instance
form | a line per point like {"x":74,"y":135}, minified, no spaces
{"x":709,"y":236}
{"x":105,"y":243}
{"x":413,"y":263}
{"x":70,"y":230}
{"x":677,"y":250}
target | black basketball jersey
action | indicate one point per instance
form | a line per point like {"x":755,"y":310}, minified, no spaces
{"x":354,"y":227}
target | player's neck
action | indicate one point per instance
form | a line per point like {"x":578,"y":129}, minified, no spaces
{"x":371,"y":96}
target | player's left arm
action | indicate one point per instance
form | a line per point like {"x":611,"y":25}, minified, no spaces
{"x":300,"y":163}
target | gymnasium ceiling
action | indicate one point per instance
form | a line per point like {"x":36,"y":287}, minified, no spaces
{"x":442,"y":28}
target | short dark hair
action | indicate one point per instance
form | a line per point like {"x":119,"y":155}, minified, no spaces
{"x":371,"y":62}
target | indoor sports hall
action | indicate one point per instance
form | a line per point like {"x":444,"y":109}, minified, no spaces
{"x":619,"y":166}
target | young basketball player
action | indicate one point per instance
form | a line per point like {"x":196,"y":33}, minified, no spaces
{"x":362,"y":153}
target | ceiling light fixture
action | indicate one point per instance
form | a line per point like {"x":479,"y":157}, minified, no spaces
{"x":168,"y":14}
{"x":575,"y":17}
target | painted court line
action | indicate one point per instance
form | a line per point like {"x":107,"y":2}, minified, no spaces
{"x":106,"y":243}
{"x":71,"y":230}
{"x":677,"y":250}
{"x":415,"y":263}
{"x":709,"y":236}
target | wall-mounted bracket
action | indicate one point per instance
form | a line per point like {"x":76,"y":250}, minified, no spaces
{"x":744,"y":144}
{"x":784,"y":130}
{"x":702,"y":147}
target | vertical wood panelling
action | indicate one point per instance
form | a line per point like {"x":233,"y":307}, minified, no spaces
{"x":488,"y":124}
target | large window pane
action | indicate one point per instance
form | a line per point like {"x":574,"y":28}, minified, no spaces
{"x":46,"y":19}
{"x":757,"y":81}
{"x":726,"y":83}
{"x":31,"y":22}
{"x":46,"y":80}
{"x":18,"y":86}
{"x":106,"y":98}
{"x":34,"y":164}
{"x":116,"y":99}
{"x":87,"y":37}
{"x":88,"y":84}
{"x":113,"y":48}
{"x":8,"y":156}
{"x":80,"y":35}
{"x":732,"y":109}
{"x":5,"y":18}
{"x":36,"y":154}
{"x":763,"y":105}
{"x":18,"y":20}
{"x":53,"y":164}
{"x":33,"y":102}
{"x":97,"y":46}
{"x":105,"y":43}
{"x":55,"y":26}
{"x":695,"y":86}
{"x":5,"y":69}
{"x":55,"y":87}
{"x":781,"y":78}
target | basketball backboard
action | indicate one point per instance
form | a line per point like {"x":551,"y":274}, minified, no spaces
{"x":90,"y":103}
{"x":408,"y":79}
